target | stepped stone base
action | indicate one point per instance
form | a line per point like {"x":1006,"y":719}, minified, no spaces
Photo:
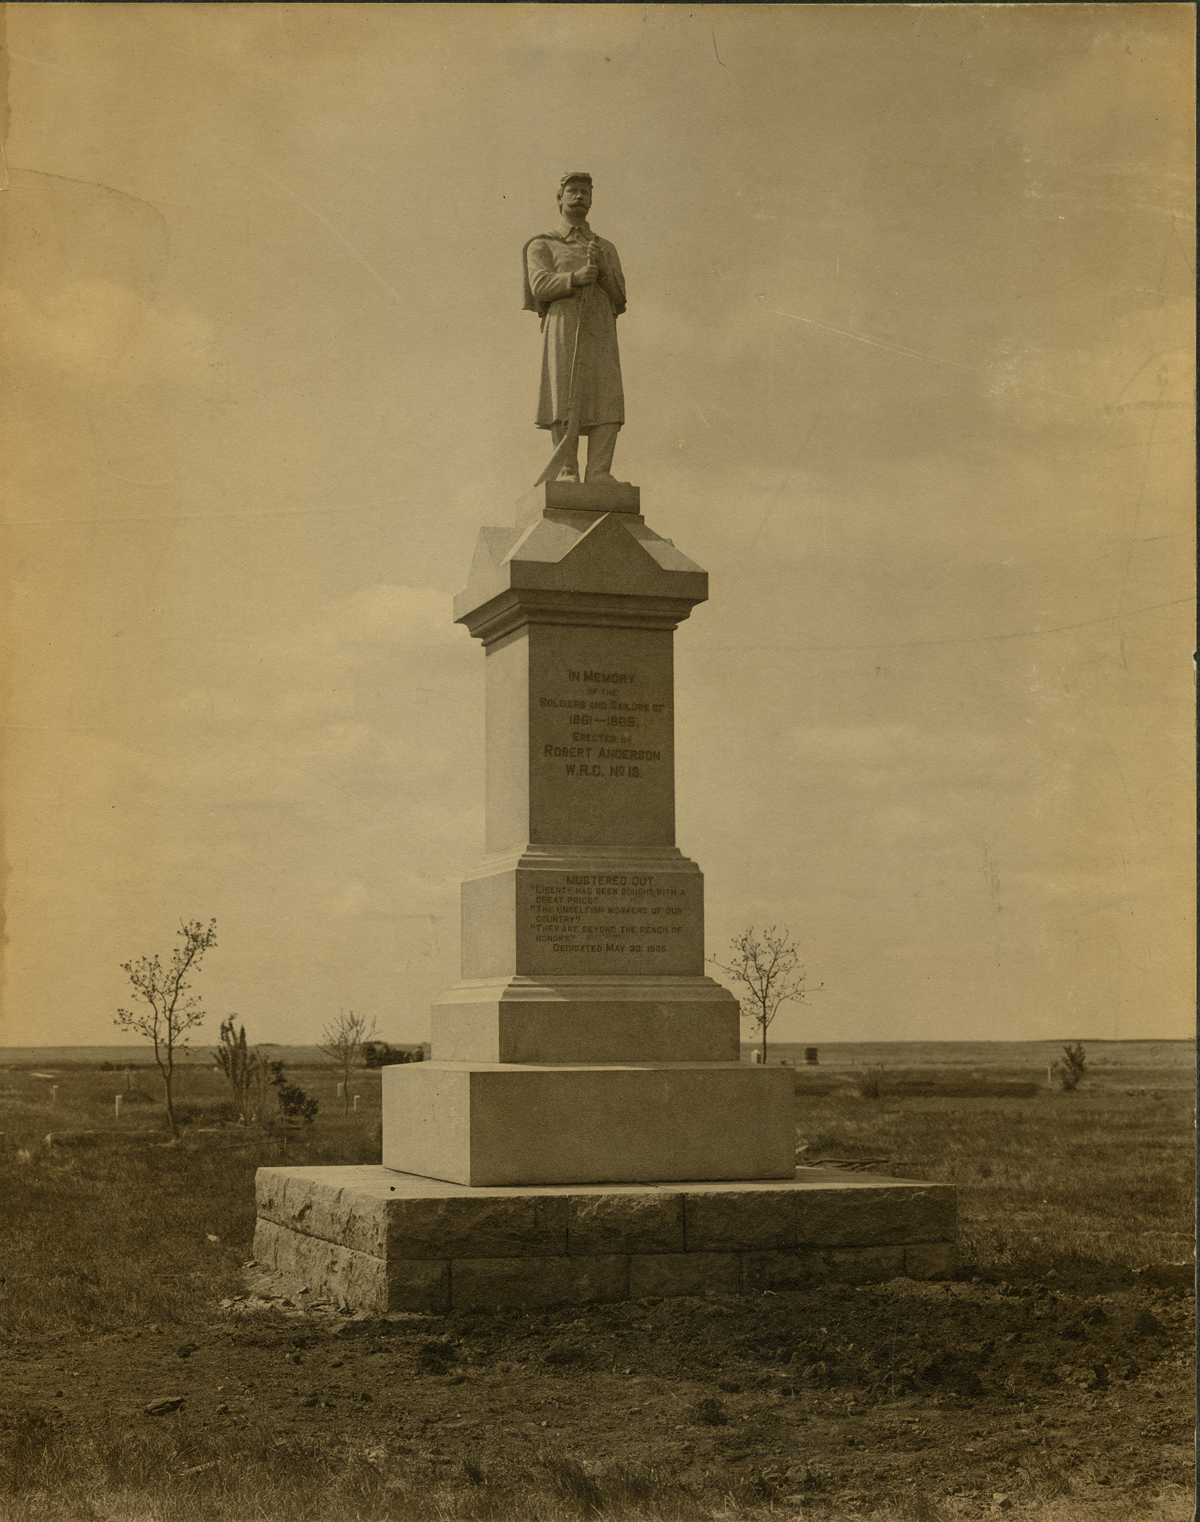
{"x":385,"y":1241}
{"x":580,"y":1020}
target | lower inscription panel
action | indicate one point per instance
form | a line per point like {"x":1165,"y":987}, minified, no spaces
{"x":539,"y":922}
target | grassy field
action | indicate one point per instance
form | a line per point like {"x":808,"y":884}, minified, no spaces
{"x":1029,"y":1057}
{"x":109,"y":1227}
{"x":67,"y":1058}
{"x":1098,"y":1180}
{"x":147,"y":1228}
{"x":1095,"y":1181}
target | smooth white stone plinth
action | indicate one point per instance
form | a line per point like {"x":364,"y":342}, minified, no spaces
{"x":504,"y":1124}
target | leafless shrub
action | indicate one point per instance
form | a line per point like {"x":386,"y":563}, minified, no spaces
{"x":170,"y":1011}
{"x":342,"y":1042}
{"x":1070,"y":1070}
{"x":767,"y":965}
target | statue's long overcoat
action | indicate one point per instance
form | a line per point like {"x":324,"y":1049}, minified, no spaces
{"x":549,"y":261}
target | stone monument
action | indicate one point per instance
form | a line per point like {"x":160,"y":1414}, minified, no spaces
{"x":585,"y":1129}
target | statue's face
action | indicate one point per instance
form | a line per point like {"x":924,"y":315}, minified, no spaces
{"x":576,"y":200}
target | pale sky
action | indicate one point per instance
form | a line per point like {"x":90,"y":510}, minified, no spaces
{"x":908,"y":370}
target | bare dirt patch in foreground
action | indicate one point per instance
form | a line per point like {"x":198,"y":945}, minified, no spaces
{"x":906,"y":1400}
{"x":1054,"y":1380}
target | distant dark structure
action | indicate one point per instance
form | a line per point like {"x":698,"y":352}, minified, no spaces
{"x":810,"y":1055}
{"x":381,"y":1054}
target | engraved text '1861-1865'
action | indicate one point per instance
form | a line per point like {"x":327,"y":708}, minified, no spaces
{"x":607,"y":731}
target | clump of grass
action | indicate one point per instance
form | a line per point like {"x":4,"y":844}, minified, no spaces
{"x":174,"y":1472}
{"x":898,"y":1506}
{"x":567,"y":1479}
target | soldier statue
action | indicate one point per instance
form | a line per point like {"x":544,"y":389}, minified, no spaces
{"x":573,"y":281}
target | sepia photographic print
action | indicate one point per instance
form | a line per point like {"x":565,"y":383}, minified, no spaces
{"x":598,"y":763}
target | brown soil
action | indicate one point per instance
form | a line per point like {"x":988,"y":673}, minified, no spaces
{"x":976,"y":1397}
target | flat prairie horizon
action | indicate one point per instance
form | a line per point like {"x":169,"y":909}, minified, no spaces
{"x":1145,"y":1052}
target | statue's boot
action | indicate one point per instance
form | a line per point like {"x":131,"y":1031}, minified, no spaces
{"x":569,"y":470}
{"x":602,"y":441}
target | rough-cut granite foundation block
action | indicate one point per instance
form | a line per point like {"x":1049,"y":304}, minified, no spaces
{"x":846,"y":1265}
{"x":733,"y":1217}
{"x":389,"y":1215}
{"x":503,"y":1124}
{"x":500,"y":1282}
{"x":382,"y":1240}
{"x":930,"y":1260}
{"x":647,"y":1220}
{"x":737,"y":1219}
{"x":875,"y":1217}
{"x":684,"y":1273}
{"x":358,"y":1278}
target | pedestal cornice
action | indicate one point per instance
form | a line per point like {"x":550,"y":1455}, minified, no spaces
{"x":581,"y":859}
{"x":517,"y":607}
{"x":584,"y":858}
{"x":606,"y":570}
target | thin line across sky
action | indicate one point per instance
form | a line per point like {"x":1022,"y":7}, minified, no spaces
{"x":953,"y":639}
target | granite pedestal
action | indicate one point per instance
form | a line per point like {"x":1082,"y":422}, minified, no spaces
{"x":584,"y":1047}
{"x":585,"y":1042}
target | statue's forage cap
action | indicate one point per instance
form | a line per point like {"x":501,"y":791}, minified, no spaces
{"x":567,"y":178}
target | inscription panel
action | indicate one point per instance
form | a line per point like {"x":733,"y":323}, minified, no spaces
{"x":628,"y":923}
{"x":601,"y":732}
